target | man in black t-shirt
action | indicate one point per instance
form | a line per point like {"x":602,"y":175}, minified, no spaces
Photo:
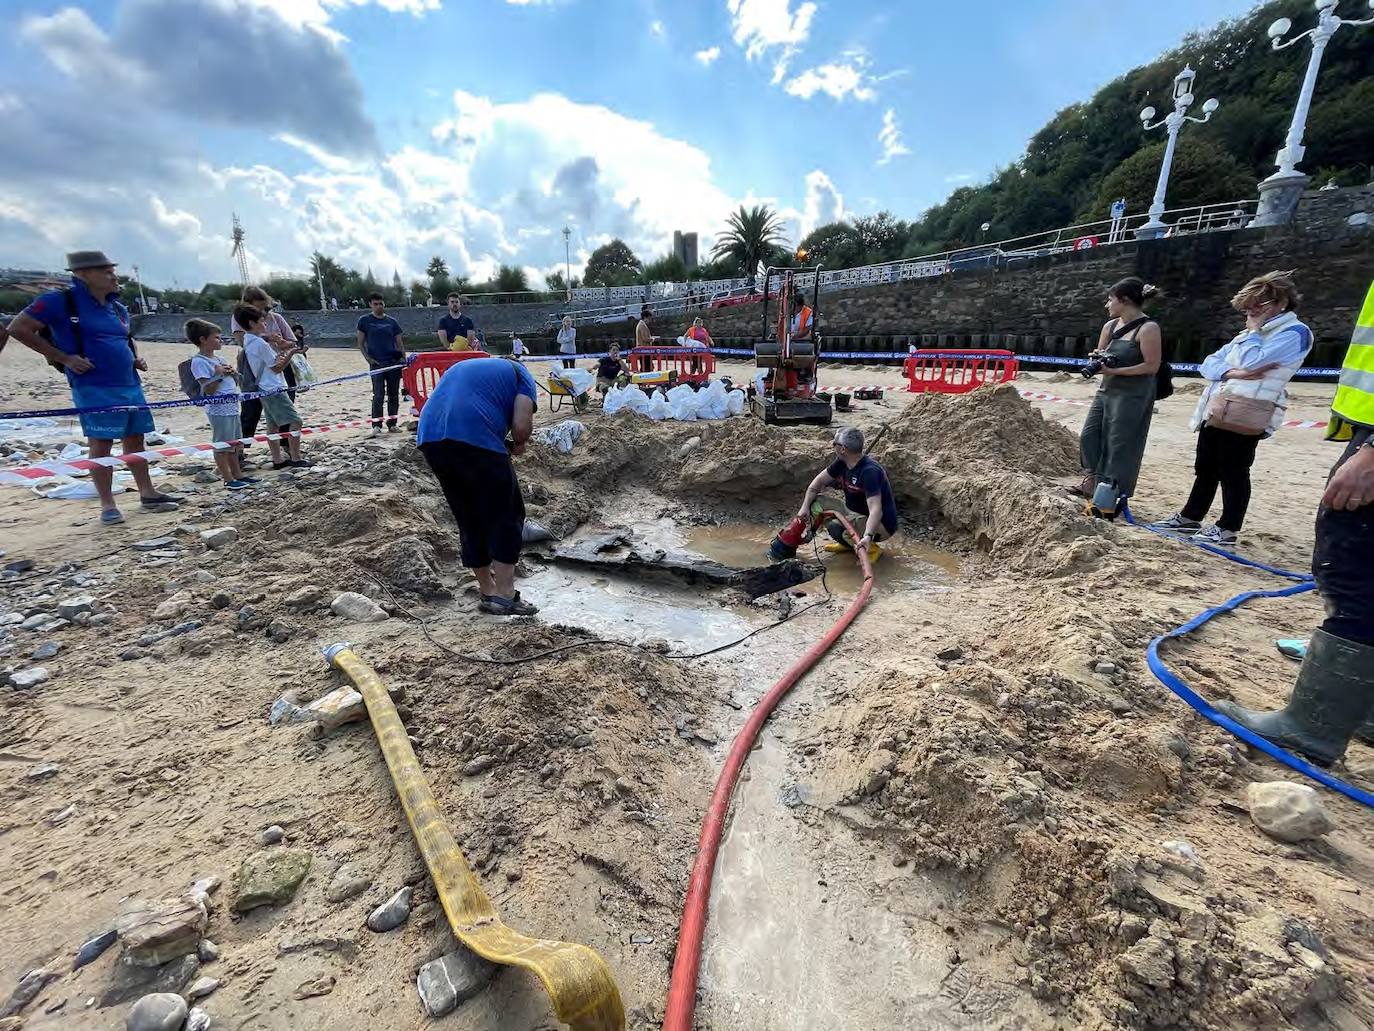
{"x":456,"y":331}
{"x":867,"y":493}
{"x":609,"y":370}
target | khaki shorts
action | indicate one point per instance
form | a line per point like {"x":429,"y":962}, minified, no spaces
{"x":278,"y":410}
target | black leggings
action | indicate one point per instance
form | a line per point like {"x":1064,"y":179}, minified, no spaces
{"x":484,"y":495}
{"x":390,"y":383}
{"x":1223,"y":460}
{"x":569,"y":363}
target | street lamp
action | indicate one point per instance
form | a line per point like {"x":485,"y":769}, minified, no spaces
{"x":1279,"y":194}
{"x":984,"y":229}
{"x":142,"y":301}
{"x":567,"y":262}
{"x":1173,"y":121}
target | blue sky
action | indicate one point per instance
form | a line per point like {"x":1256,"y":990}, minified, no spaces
{"x":384,"y":131}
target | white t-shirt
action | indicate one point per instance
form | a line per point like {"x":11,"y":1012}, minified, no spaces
{"x":205,"y":370}
{"x":261,"y":357}
{"x":517,"y":346}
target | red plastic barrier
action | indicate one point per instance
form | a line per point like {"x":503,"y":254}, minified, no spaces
{"x":422,"y":374}
{"x":692,"y":364}
{"x":957,"y":371}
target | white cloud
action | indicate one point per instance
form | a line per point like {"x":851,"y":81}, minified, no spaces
{"x":890,"y":138}
{"x":657,"y":28}
{"x":761,"y":25}
{"x":706,"y":57}
{"x":316,"y":14}
{"x":823,"y":203}
{"x":322,"y":157}
{"x":959,"y":177}
{"x":78,"y":47}
{"x":836,"y":80}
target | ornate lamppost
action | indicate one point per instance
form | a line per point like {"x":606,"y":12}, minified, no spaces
{"x":1172,"y":122}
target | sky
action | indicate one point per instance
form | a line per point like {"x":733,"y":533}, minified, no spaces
{"x":382,"y":132}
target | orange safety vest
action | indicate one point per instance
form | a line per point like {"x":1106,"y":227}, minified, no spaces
{"x":803,"y":317}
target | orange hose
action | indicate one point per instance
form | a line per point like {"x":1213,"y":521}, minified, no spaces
{"x":682,"y":990}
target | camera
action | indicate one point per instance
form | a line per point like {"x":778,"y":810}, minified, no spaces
{"x":1097,"y":362}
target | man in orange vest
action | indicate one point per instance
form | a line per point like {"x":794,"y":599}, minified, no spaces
{"x":801,"y":318}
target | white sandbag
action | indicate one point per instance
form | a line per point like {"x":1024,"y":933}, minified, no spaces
{"x":636,"y":400}
{"x":615,"y":400}
{"x":683,"y":402}
{"x":735,"y":401}
{"x":659,"y":408}
{"x":561,"y":435}
{"x":581,"y":380}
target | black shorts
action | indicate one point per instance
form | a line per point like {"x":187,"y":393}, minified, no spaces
{"x":481,"y":489}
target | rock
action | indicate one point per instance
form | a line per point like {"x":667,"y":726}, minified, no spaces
{"x":220,"y":600}
{"x":950,"y":652}
{"x":154,"y":544}
{"x":688,"y":447}
{"x":479,"y":765}
{"x":340,"y":706}
{"x":201,"y":988}
{"x":357,"y":607}
{"x":73,"y":607}
{"x":706,"y":737}
{"x":153,"y":933}
{"x":1102,"y":666}
{"x":42,"y":771}
{"x":392,"y":913}
{"x":219,"y":537}
{"x":37,"y":620}
{"x":197,"y":1020}
{"x":161,"y":1012}
{"x":26,"y":678}
{"x":60,"y":817}
{"x":582,"y":741}
{"x":1150,"y":960}
{"x":174,"y":607}
{"x":313,"y":988}
{"x":547,"y":771}
{"x":29,"y":986}
{"x":130,"y":981}
{"x":270,"y":878}
{"x":206,"y":886}
{"x":46,"y":650}
{"x":272,"y":835}
{"x":19,"y":565}
{"x":207,"y":951}
{"x":307,"y":597}
{"x":1286,"y":811}
{"x":451,"y":980}
{"x":278,"y":632}
{"x":349,"y":881}
{"x":93,"y":948}
{"x":285,"y":709}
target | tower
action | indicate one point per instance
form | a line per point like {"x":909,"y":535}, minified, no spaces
{"x":239,"y":251}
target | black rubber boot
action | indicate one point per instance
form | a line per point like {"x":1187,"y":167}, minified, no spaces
{"x":1333,"y":697}
{"x":1366,"y":732}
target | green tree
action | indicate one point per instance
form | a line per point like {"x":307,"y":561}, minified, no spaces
{"x":511,"y":279}
{"x":881,"y":236}
{"x":667,"y":269}
{"x":750,"y":236}
{"x":1202,"y":173}
{"x":834,"y":245}
{"x":331,"y":273}
{"x":613,"y":264}
{"x":437,"y":267}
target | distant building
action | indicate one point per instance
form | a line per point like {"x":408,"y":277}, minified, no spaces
{"x":685,"y":248}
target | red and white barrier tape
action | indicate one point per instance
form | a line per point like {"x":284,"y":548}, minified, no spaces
{"x":1040,"y":395}
{"x":25,"y":474}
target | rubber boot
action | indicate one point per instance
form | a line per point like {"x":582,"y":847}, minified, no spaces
{"x":1333,"y":697}
{"x":839,"y":537}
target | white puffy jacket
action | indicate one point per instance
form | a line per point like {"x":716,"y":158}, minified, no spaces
{"x":1283,"y":339}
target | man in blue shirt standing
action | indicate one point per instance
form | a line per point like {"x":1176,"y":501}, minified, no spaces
{"x":380,"y":340}
{"x":463,"y":435}
{"x":84,"y":330}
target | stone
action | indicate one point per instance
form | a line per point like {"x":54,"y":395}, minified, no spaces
{"x":479,"y":765}
{"x":19,"y":565}
{"x":706,"y":737}
{"x":451,"y":980}
{"x":161,"y":1012}
{"x":197,"y":1020}
{"x":273,"y":835}
{"x":93,"y":948}
{"x":74,"y":606}
{"x":26,"y":678}
{"x":1107,"y":668}
{"x":38,"y":619}
{"x":42,"y":771}
{"x":154,"y":544}
{"x":24,"y":993}
{"x":1151,"y":961}
{"x":173,"y":608}
{"x":950,"y":652}
{"x":340,"y":706}
{"x":392,"y":913}
{"x":207,"y":951}
{"x":153,"y":933}
{"x":130,"y":981}
{"x":307,"y":597}
{"x":582,"y":741}
{"x":349,"y":881}
{"x":313,"y":988}
{"x":278,"y":632}
{"x":46,"y":650}
{"x":202,"y":987}
{"x":270,"y":878}
{"x":357,"y":607}
{"x":219,"y":537}
{"x":220,"y":600}
{"x":1286,"y":811}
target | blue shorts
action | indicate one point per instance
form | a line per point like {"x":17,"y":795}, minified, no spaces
{"x":112,"y":425}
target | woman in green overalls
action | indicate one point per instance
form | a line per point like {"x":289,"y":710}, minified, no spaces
{"x":1129,"y":351}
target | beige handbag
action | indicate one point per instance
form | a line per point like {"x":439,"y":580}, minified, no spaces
{"x":1244,"y":415}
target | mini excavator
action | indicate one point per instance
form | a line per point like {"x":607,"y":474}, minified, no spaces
{"x":789,"y":349}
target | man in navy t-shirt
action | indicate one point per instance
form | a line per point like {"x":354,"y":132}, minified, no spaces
{"x":381,"y":342}
{"x":456,"y":331}
{"x":463,"y":429}
{"x":867,"y":493}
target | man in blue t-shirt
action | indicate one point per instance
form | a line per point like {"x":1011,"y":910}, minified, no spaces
{"x":457,"y":331}
{"x":380,"y":340}
{"x":463,"y":430}
{"x":867,"y":493}
{"x":84,"y":329}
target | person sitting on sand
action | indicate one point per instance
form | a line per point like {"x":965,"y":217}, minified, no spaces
{"x":609,"y":370}
{"x":867,"y":494}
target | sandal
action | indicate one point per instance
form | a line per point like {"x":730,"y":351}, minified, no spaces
{"x":111,"y":517}
{"x":497,"y":606}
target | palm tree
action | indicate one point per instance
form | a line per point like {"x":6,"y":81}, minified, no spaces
{"x":750,"y":236}
{"x":437,"y":267}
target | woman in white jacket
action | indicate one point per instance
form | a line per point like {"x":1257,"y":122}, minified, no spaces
{"x":1245,"y":401}
{"x":567,"y":343}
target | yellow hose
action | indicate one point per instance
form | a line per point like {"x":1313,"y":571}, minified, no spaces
{"x":578,"y":981}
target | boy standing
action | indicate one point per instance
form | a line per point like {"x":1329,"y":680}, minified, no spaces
{"x":216,"y":377}
{"x":267,"y":364}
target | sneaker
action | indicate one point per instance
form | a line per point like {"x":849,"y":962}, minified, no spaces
{"x":111,"y":517}
{"x":376,"y":431}
{"x":1177,"y":524}
{"x":1214,"y":534}
{"x":393,"y":428}
{"x":250,"y":480}
{"x":237,"y":485}
{"x":161,"y":499}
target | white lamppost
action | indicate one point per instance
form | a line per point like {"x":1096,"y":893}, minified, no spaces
{"x":1279,"y":194}
{"x":142,"y":301}
{"x":567,"y":262}
{"x":1173,"y":121}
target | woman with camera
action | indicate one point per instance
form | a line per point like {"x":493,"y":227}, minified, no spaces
{"x":1128,"y":355}
{"x":1244,"y":402}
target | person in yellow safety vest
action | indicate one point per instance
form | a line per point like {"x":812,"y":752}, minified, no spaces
{"x":1333,"y":699}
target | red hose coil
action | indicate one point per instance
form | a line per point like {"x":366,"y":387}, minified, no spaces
{"x":682,"y":990}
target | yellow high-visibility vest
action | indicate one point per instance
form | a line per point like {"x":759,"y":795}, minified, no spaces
{"x":1354,"y":404}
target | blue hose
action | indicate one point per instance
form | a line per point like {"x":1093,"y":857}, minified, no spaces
{"x":1178,"y":687}
{"x":1287,"y":574}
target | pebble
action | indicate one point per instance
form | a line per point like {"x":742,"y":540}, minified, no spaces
{"x":46,"y":650}
{"x":357,"y":607}
{"x":350,"y":881}
{"x":548,"y":770}
{"x":271,"y":877}
{"x":29,"y":986}
{"x":950,"y":652}
{"x":219,"y":537}
{"x":1286,"y":811}
{"x":42,"y":771}
{"x":197,"y":1020}
{"x":220,"y":600}
{"x":161,"y":1012}
{"x":1104,"y":667}
{"x":201,"y":988}
{"x":706,"y":737}
{"x":392,"y":913}
{"x":207,"y":951}
{"x":154,"y":544}
{"x":582,"y":741}
{"x":452,"y":979}
{"x":20,"y":565}
{"x":93,"y":948}
{"x":272,"y":835}
{"x":37,"y":620}
{"x":479,"y":765}
{"x":26,"y":678}
{"x":73,"y":607}
{"x":59,"y":818}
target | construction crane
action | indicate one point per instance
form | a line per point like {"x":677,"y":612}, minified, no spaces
{"x":239,"y":251}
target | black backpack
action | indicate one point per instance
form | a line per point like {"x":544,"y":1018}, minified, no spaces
{"x":74,"y":317}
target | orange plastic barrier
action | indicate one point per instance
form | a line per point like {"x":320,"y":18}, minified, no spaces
{"x":692,"y":364}
{"x":421,"y":375}
{"x":957,"y":371}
